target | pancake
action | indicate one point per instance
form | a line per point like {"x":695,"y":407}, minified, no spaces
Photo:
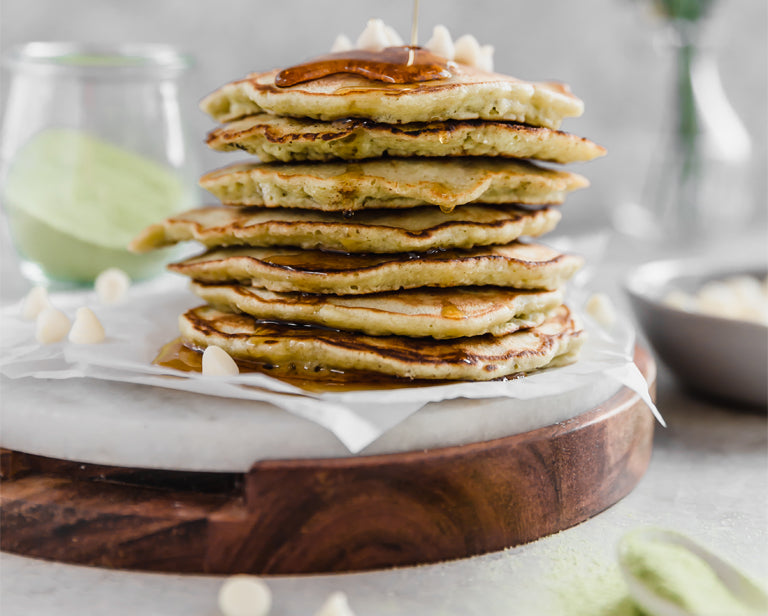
{"x":516,"y":265}
{"x":468,"y":94}
{"x":390,"y":183}
{"x":437,"y":313}
{"x":416,"y":230}
{"x":285,"y":139}
{"x":478,"y":358}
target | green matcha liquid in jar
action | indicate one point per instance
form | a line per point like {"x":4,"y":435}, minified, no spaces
{"x":93,"y":151}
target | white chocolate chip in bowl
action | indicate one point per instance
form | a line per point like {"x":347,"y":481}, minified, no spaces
{"x":34,"y":303}
{"x":244,"y":595}
{"x":217,"y":362}
{"x":87,"y":329}
{"x":51,"y":326}
{"x":717,"y":353}
{"x":335,"y":605}
{"x":111,"y":285}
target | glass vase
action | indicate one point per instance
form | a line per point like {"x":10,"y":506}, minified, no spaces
{"x":698,"y":184}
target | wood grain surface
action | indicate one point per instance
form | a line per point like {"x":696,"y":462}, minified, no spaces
{"x":326,"y":515}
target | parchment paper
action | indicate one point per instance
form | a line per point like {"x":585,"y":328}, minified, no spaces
{"x":147,"y":319}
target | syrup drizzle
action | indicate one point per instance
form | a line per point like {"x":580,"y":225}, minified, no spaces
{"x":415,"y":24}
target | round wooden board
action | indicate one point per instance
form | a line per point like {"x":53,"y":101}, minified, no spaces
{"x":331,"y":515}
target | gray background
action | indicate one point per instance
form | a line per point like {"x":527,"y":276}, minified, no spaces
{"x":611,"y":52}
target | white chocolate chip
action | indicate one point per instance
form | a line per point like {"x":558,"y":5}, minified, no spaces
{"x":679,"y":300}
{"x":342,"y":43}
{"x":244,"y":595}
{"x":601,"y":309}
{"x":715,"y":298}
{"x":441,"y":43}
{"x":217,"y":362}
{"x":52,"y":325}
{"x":87,"y":329}
{"x":747,"y":294}
{"x":468,"y":51}
{"x":335,"y":605}
{"x":486,"y":58}
{"x":111,"y":285}
{"x":34,"y":303}
{"x":738,"y":297}
{"x":393,"y":38}
{"x":374,"y":37}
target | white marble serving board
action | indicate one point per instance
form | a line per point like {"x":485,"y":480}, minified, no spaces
{"x":124,"y":424}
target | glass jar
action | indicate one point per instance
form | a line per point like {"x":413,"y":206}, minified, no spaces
{"x":92,"y":151}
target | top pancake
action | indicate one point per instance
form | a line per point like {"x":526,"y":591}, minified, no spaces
{"x":468,"y":94}
{"x":285,"y":139}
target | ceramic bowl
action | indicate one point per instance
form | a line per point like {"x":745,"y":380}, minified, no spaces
{"x":715,"y":356}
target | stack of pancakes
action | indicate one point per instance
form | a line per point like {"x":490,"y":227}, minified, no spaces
{"x":379,"y":231}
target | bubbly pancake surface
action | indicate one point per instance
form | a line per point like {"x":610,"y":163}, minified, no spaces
{"x":476,"y":358}
{"x":391,"y":183}
{"x":468,"y":94}
{"x":432,"y":312}
{"x":517,"y":265}
{"x":416,"y":229}
{"x":286,"y":139}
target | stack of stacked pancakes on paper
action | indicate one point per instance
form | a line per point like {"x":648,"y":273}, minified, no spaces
{"x":378,"y":233}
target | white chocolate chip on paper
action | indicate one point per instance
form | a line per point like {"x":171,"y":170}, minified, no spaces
{"x":87,"y":329}
{"x":217,"y":362}
{"x":34,"y":303}
{"x":601,"y":309}
{"x":111,"y":285}
{"x":51,"y":326}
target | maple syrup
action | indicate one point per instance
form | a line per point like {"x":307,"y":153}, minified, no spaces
{"x":404,"y":64}
{"x":177,"y":356}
